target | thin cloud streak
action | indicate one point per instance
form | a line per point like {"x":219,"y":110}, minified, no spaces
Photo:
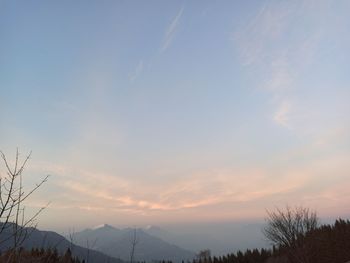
{"x":138,"y":70}
{"x":171,"y":30}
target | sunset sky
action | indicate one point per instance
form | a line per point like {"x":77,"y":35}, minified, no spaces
{"x":151,"y":112}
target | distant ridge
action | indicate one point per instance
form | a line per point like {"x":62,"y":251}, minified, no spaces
{"x":116,"y":242}
{"x":52,"y":240}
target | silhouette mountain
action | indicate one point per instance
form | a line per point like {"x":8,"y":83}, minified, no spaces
{"x":117,"y":243}
{"x":52,"y":240}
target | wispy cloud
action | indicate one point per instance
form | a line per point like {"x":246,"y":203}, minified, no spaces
{"x":171,"y":30}
{"x":138,"y":70}
{"x":220,"y":189}
{"x":282,"y":114}
{"x":264,"y":28}
{"x":281,"y":78}
{"x":94,"y":189}
{"x":274,"y":49}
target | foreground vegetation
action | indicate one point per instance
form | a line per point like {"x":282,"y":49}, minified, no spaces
{"x":324,"y":244}
{"x":38,"y":256}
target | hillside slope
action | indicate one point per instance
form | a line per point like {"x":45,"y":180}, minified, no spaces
{"x":117,"y":243}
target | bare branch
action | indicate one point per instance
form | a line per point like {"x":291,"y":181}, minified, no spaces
{"x":12,"y":197}
{"x":287,"y":229}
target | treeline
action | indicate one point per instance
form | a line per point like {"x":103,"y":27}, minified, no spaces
{"x":38,"y":256}
{"x":248,"y":256}
{"x":324,"y":244}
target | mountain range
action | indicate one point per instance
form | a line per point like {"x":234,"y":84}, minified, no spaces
{"x":106,"y":243}
{"x":117,"y":243}
{"x":51,"y":240}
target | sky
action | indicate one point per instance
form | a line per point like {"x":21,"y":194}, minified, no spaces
{"x":173,"y":112}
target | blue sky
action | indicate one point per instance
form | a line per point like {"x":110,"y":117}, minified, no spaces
{"x":167,"y":111}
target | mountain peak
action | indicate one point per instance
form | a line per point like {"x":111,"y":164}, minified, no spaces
{"x":152,"y":227}
{"x":103,"y":226}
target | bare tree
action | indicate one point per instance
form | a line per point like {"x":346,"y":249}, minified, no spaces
{"x":12,"y":197}
{"x":134,"y":241}
{"x":288,"y":228}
